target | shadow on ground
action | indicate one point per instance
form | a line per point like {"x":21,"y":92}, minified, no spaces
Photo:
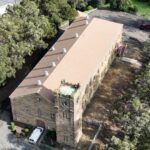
{"x":118,"y":78}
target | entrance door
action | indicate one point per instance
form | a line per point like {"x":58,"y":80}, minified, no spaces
{"x":40,"y":123}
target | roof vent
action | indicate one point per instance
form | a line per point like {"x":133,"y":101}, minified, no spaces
{"x":87,"y":17}
{"x":53,"y":64}
{"x":76,"y":35}
{"x":87,"y":22}
{"x":53,"y":48}
{"x":46,"y":73}
{"x":39,"y":82}
{"x":64,"y":50}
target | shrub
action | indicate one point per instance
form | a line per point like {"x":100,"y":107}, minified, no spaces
{"x":123,"y":5}
{"x":133,"y":8}
{"x":12,"y":127}
{"x":96,"y":3}
{"x":89,"y":7}
{"x":25,"y":131}
{"x":133,"y":115}
{"x":82,"y":5}
{"x":124,"y":144}
{"x":113,"y":4}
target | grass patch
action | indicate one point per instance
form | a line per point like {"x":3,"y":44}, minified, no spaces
{"x":143,"y":8}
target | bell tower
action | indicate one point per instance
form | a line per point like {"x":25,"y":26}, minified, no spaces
{"x":64,"y":105}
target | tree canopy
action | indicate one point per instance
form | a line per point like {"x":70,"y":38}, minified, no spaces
{"x":132,"y":113}
{"x":23,"y":30}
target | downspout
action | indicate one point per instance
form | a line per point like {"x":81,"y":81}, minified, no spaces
{"x":95,"y":137}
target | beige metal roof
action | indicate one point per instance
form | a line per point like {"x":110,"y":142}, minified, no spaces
{"x":80,"y":62}
{"x":29,"y":84}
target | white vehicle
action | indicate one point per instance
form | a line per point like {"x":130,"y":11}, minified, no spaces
{"x":35,"y":135}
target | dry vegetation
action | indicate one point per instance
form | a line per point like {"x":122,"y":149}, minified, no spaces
{"x":118,"y":78}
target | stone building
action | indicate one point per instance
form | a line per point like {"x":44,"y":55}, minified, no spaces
{"x":55,"y":93}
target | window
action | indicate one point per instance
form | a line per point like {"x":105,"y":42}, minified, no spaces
{"x":79,"y":122}
{"x":87,"y":88}
{"x":77,"y":99}
{"x":53,"y":98}
{"x":66,"y":115}
{"x":39,"y":112}
{"x":27,"y":109}
{"x":64,"y":103}
{"x":65,"y":138}
{"x":90,"y":84}
{"x":52,"y":116}
{"x":38,"y":99}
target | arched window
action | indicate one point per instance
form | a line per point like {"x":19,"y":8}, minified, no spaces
{"x":39,"y":112}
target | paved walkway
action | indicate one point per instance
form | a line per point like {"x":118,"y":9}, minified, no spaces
{"x":7,"y":139}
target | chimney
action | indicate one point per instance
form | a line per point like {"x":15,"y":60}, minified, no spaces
{"x":39,"y":82}
{"x":64,"y":50}
{"x":53,"y":48}
{"x":76,"y":35}
{"x":46,"y":73}
{"x":53,"y":64}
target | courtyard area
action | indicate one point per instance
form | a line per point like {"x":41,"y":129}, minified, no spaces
{"x":9,"y":141}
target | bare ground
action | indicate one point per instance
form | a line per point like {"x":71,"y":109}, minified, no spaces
{"x":114,"y":85}
{"x":118,"y":78}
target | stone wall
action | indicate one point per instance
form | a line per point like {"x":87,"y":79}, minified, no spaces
{"x":64,"y":120}
{"x":95,"y":81}
{"x":34,"y":110}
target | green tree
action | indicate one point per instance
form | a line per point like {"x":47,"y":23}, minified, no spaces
{"x":123,"y":5}
{"x":23,"y":30}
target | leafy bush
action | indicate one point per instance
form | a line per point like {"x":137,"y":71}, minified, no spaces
{"x":122,"y":5}
{"x":133,"y":115}
{"x":82,"y":5}
{"x":133,"y":8}
{"x":125,"y":144}
{"x":96,"y":3}
{"x":89,"y":7}
{"x":23,"y":30}
{"x":25,"y":131}
{"x":12,"y":127}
